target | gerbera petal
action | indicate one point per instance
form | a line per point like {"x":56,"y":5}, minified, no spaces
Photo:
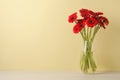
{"x":91,"y":22}
{"x":77,"y":28}
{"x":72,"y":17}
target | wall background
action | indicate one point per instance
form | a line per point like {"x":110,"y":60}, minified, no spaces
{"x":35,"y":35}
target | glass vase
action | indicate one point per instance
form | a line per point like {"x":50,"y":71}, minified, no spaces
{"x":87,"y":62}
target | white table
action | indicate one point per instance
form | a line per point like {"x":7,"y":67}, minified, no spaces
{"x":40,"y":75}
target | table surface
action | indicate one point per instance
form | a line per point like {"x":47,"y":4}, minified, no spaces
{"x":39,"y":75}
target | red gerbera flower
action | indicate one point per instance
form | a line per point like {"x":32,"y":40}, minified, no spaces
{"x":91,"y":22}
{"x":77,"y":28}
{"x":102,"y":24}
{"x":72,"y":17}
{"x":84,"y":13}
{"x":98,"y":13}
{"x":103,"y":21}
{"x":81,"y":22}
{"x":91,"y":13}
{"x":95,"y":14}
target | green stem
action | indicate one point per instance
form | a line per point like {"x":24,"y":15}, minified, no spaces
{"x":87,"y":32}
{"x":90,"y":32}
{"x":94,"y":33}
{"x":84,"y":31}
{"x":82,"y":34}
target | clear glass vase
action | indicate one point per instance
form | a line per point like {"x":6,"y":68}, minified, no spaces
{"x":87,"y":62}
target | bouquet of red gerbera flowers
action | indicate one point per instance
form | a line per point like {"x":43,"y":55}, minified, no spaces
{"x":88,"y":26}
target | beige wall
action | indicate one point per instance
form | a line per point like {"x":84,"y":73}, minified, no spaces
{"x":35,"y":35}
